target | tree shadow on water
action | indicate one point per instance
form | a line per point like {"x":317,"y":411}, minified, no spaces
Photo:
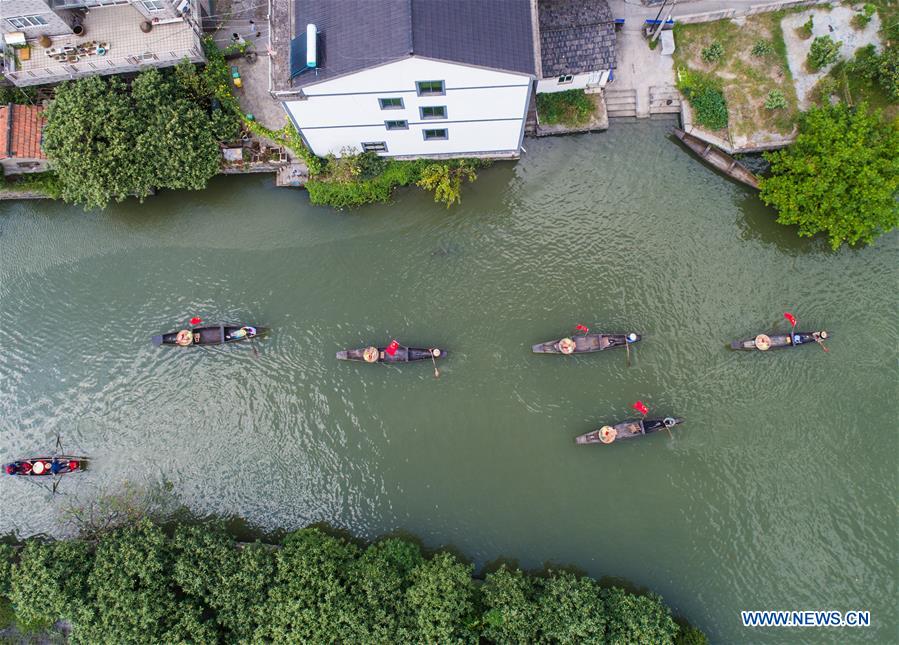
{"x":759,"y":223}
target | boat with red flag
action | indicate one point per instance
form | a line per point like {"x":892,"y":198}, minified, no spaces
{"x":764,"y":342}
{"x":208,"y":335}
{"x":628,"y":430}
{"x":53,"y":466}
{"x":586,"y":343}
{"x":391,"y":353}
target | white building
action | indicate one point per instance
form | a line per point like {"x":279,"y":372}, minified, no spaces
{"x":410,"y":78}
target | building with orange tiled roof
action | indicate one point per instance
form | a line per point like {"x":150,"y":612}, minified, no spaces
{"x":20,"y":139}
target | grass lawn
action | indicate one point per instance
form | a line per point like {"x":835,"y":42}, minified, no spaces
{"x":746,"y":79}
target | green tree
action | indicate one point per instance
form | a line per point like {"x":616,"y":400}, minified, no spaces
{"x":841,"y":176}
{"x":50,"y":582}
{"x":823,"y":52}
{"x":510,"y":608}
{"x":108,"y":141}
{"x":445,"y":180}
{"x":638,"y":619}
{"x":570,"y":610}
{"x":308,"y":600}
{"x":440,"y":602}
{"x":379,"y":580}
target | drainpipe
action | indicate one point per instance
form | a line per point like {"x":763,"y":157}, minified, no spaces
{"x":9,"y":130}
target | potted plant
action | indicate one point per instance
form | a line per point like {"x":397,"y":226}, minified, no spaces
{"x":44,"y":41}
{"x":146,"y":26}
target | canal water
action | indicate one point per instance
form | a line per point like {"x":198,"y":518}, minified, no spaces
{"x":779,"y":491}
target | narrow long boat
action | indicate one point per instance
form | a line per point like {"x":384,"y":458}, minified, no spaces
{"x":46,"y":466}
{"x":717,"y":158}
{"x":627,"y":430}
{"x":764,"y":342}
{"x":402,"y":354}
{"x":587,"y":344}
{"x":210,"y":335}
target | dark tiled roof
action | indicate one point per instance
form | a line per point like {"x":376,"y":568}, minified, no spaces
{"x":576,"y":36}
{"x":358,"y":34}
{"x":489,"y":33}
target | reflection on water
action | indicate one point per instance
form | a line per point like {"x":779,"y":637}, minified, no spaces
{"x":776,"y":493}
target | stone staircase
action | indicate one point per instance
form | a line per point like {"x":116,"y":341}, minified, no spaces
{"x":664,"y":99}
{"x":621,"y":102}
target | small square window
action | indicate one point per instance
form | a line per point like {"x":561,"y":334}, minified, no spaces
{"x":565,"y":79}
{"x":374,"y":146}
{"x":430,"y":88}
{"x":435,"y":135}
{"x":433,"y":112}
{"x":396,"y":125}
{"x":153,"y":5}
{"x":391,"y":103}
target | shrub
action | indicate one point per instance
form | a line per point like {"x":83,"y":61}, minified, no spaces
{"x":713,"y":53}
{"x":866,"y":63}
{"x":775,"y":100}
{"x":861,"y":19}
{"x":510,"y":607}
{"x":571,"y":108}
{"x":824,"y":51}
{"x":888,"y":75}
{"x":762,"y":48}
{"x":839,"y":177}
{"x":711,"y":107}
{"x":827,"y":87}
{"x":691,"y":636}
{"x":445,"y":180}
{"x":805,"y":31}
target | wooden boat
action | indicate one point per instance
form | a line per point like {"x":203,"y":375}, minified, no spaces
{"x":46,"y":466}
{"x":588,"y":343}
{"x":211,"y":335}
{"x":402,"y":355}
{"x":627,"y":430}
{"x":764,"y":342}
{"x":717,"y":158}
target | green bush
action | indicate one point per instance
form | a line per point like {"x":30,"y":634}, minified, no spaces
{"x":861,"y":19}
{"x":571,"y":108}
{"x":713,"y":53}
{"x":762,"y":48}
{"x":710,"y":107}
{"x":805,"y":31}
{"x":775,"y":100}
{"x":840,"y":176}
{"x":888,"y":75}
{"x":824,"y":51}
{"x":691,"y":636}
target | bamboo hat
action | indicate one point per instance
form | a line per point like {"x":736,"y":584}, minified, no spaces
{"x":39,"y":467}
{"x":184,"y":338}
{"x":823,"y":334}
{"x":762,"y":342}
{"x":566,"y":346}
{"x":370,"y":354}
{"x":607,"y":434}
{"x":435,"y":353}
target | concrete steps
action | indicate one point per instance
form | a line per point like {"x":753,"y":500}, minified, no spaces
{"x":621,"y":102}
{"x":664,"y":100}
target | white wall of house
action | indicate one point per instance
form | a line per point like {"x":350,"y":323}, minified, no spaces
{"x":485,"y":110}
{"x":549,"y":85}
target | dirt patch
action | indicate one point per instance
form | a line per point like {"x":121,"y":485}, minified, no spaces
{"x":836,"y":23}
{"x":746,"y":79}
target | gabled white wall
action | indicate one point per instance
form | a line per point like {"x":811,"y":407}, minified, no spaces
{"x":485,"y":109}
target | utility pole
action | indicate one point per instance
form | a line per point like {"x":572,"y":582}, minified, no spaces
{"x":662,"y":23}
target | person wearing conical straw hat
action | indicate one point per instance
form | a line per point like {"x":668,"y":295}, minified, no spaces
{"x":762,"y":342}
{"x":184,"y":338}
{"x":566,"y":346}
{"x":607,"y":434}
{"x":370,"y":354}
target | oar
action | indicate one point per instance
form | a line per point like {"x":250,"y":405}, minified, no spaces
{"x":434,"y":360}
{"x":820,"y":342}
{"x":627,"y":347}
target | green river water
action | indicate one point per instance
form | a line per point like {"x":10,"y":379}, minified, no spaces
{"x":779,"y":492}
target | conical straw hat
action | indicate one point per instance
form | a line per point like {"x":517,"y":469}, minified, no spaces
{"x":762,"y":342}
{"x":370,"y":354}
{"x":38,"y":467}
{"x":566,"y":346}
{"x":607,"y":434}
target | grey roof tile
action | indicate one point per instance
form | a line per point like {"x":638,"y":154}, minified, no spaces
{"x":576,"y":36}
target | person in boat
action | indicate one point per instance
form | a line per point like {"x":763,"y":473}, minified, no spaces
{"x":370,"y":354}
{"x":243,"y":332}
{"x":11,"y":469}
{"x":567,"y":346}
{"x":56,"y":466}
{"x":184,"y":338}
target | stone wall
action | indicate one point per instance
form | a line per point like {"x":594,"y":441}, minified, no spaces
{"x":724,"y":14}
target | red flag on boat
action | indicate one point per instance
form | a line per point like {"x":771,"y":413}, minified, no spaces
{"x":582,"y":328}
{"x":641,"y":408}
{"x":196,"y":320}
{"x":790,"y":318}
{"x":392,"y":347}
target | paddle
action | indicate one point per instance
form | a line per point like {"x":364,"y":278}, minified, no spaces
{"x":820,"y":342}
{"x":627,"y":348}
{"x":434,"y":360}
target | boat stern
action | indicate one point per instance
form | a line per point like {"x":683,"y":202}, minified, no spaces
{"x":342,"y":356}
{"x":156,"y":340}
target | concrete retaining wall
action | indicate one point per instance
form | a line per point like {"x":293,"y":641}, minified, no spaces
{"x":725,"y":14}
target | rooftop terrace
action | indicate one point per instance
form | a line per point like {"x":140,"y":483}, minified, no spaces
{"x":112,"y":43}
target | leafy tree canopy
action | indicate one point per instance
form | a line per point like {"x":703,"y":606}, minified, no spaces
{"x":109,"y":141}
{"x":841,"y":176}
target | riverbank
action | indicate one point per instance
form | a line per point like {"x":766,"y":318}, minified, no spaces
{"x":197,"y":583}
